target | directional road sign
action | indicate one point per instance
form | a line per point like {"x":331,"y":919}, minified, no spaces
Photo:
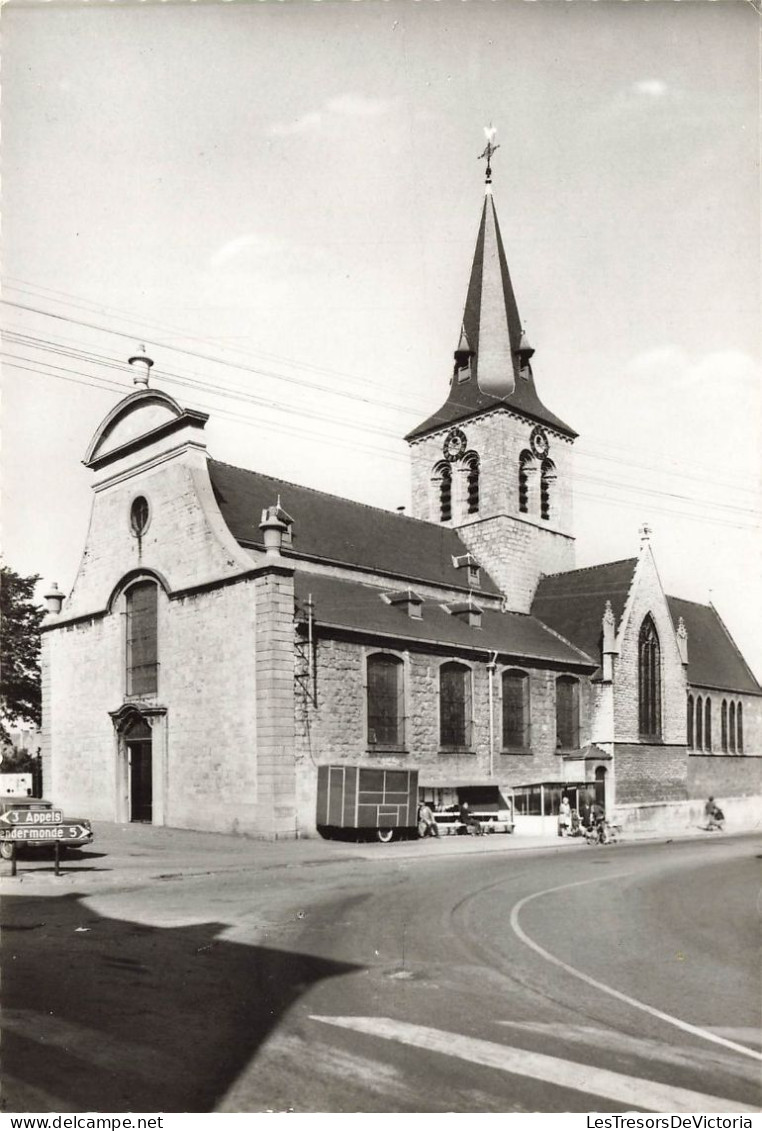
{"x":15,"y":817}
{"x":48,"y":833}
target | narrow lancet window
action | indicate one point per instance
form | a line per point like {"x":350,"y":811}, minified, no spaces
{"x":649,"y":682}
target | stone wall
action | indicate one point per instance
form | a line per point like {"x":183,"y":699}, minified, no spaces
{"x":650,"y":773}
{"x":515,"y":548}
{"x":722,"y":775}
{"x":332,"y":729}
{"x":647,"y":597}
{"x":516,"y":553}
{"x":206,"y":685}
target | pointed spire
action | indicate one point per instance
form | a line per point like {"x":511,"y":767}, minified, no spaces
{"x":492,"y":359}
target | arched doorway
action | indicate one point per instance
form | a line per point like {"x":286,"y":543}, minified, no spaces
{"x":139,"y":746}
{"x":600,"y":786}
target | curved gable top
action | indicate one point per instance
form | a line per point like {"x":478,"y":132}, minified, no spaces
{"x":138,"y":419}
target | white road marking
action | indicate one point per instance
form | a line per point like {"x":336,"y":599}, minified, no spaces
{"x":696,"y":1030}
{"x":650,"y":1049}
{"x":632,"y":1091}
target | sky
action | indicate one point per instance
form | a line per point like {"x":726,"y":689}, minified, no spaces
{"x":281,"y":201}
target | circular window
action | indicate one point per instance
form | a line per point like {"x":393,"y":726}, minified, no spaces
{"x":139,"y":515}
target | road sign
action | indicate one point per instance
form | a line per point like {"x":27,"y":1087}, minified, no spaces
{"x":15,"y":817}
{"x":49,"y":833}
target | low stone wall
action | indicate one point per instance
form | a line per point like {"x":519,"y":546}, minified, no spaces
{"x":741,"y":813}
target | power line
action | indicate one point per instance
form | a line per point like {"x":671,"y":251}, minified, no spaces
{"x":89,"y":356}
{"x":106,"y":384}
{"x":594,"y":452}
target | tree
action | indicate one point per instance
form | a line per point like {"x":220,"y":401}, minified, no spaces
{"x":20,"y":619}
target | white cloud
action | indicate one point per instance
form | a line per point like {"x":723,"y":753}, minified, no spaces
{"x":343,"y":105}
{"x":654,"y":88}
{"x":358,"y":106}
{"x":253,"y":241}
{"x":301,"y":125}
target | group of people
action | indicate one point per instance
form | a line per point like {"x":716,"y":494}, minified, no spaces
{"x":589,"y":820}
{"x":427,"y":825}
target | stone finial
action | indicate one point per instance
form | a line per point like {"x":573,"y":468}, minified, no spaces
{"x":54,"y":598}
{"x":609,"y":648}
{"x":682,"y":642}
{"x":141,"y":367}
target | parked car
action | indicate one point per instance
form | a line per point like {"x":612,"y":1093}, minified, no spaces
{"x":47,"y":842}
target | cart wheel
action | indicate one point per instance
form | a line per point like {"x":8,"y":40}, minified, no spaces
{"x":6,"y":849}
{"x":386,"y":836}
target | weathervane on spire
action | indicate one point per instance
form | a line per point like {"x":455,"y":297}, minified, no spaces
{"x":489,"y":133}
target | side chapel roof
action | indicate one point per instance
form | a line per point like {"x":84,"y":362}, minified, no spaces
{"x":714,"y":658}
{"x":348,"y":606}
{"x":573,"y":603}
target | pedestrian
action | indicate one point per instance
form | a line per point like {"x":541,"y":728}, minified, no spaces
{"x":564,"y":817}
{"x":470,"y":823}
{"x":427,"y":826}
{"x":713,"y":815}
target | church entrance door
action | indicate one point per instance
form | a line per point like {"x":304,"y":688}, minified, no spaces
{"x":140,"y":759}
{"x":600,"y":786}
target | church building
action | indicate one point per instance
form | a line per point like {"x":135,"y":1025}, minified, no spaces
{"x":228,"y":633}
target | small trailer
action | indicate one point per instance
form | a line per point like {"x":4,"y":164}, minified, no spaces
{"x":377,"y":803}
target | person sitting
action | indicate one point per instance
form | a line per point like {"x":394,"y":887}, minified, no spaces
{"x":714,"y":816}
{"x":598,"y":821}
{"x":427,"y":826}
{"x":469,"y":822}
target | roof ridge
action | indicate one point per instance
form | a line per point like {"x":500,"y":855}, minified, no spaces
{"x":588,"y":569}
{"x":331,"y":495}
{"x":687,"y":601}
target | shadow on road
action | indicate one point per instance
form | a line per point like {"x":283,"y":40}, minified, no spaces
{"x":108,"y":1015}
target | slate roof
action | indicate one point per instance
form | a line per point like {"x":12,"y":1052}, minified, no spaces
{"x":331,"y":529}
{"x":713,"y":657}
{"x":573,"y":603}
{"x":466,"y":398}
{"x":351,"y":606}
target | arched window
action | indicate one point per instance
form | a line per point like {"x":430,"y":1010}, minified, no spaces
{"x":385,"y":700}
{"x":690,"y":722}
{"x":141,"y":606}
{"x":649,"y":681}
{"x":699,"y":723}
{"x":732,"y":727}
{"x":526,"y":468}
{"x":567,"y":713}
{"x":708,"y":724}
{"x":471,"y":462}
{"x":455,"y":706}
{"x":443,"y":477}
{"x":547,"y":476}
{"x":724,"y":725}
{"x":515,"y":710}
{"x":739,"y":728}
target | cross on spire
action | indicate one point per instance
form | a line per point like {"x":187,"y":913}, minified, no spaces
{"x":489,"y":133}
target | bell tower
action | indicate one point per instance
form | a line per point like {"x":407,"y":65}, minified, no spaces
{"x":494,"y":462}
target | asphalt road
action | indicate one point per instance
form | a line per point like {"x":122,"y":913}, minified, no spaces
{"x":601,"y":979}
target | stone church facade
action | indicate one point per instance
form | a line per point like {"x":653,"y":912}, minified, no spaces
{"x":228,"y":633}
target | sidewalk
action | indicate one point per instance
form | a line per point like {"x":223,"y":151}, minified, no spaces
{"x":134,"y":854}
{"x":124,"y":856}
